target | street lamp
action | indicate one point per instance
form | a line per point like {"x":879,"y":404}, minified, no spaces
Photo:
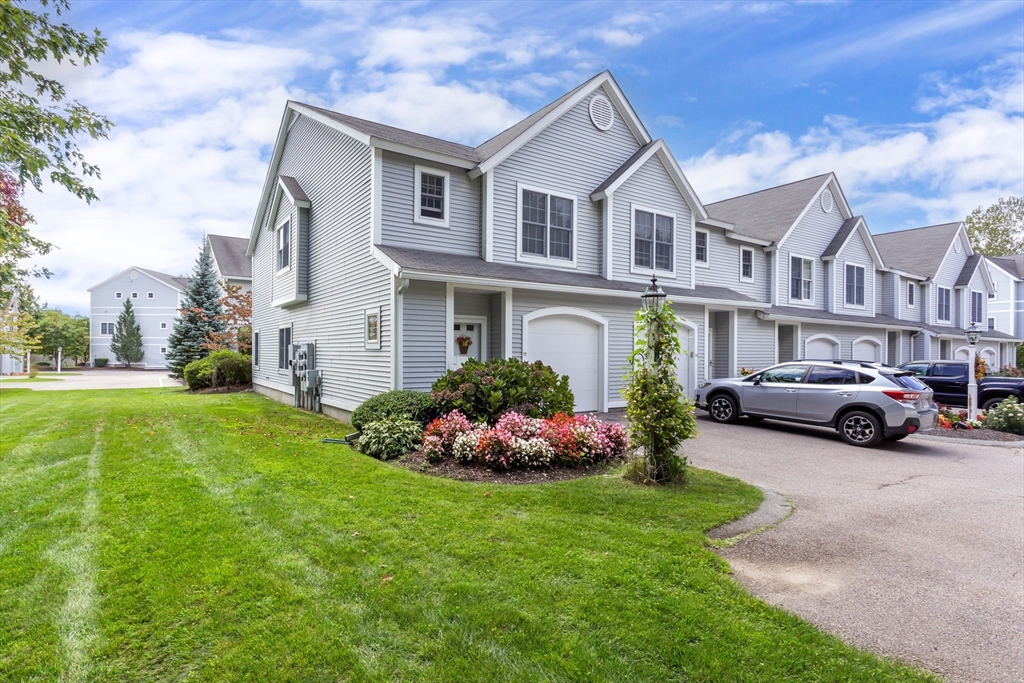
{"x":973,"y":335}
{"x":654,"y":296}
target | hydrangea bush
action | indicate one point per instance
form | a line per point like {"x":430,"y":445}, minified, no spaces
{"x":1008,"y":416}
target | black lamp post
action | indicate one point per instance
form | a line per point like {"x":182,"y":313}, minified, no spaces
{"x":654,"y":296}
{"x":973,"y":335}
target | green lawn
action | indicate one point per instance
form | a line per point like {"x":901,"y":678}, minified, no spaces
{"x":154,"y":535}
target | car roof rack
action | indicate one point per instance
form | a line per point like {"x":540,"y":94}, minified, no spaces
{"x":858,"y":363}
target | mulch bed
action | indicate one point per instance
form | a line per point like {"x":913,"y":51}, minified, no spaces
{"x":231,"y":389}
{"x":450,"y":469}
{"x":983,"y":434}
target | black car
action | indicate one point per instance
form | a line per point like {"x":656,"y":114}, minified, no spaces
{"x":948,"y":379}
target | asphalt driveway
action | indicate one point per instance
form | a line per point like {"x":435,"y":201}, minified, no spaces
{"x":913,"y":550}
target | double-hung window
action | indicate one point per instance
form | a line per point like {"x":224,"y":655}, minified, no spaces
{"x":432,"y":189}
{"x":700,"y":247}
{"x":977,"y":307}
{"x":284,"y":245}
{"x":284,"y":343}
{"x":548,"y":222}
{"x":942,"y":304}
{"x":106,"y":328}
{"x":991,"y":323}
{"x":801,"y":278}
{"x":653,"y":241}
{"x":911,"y":294}
{"x":746,"y":263}
{"x":854,"y":285}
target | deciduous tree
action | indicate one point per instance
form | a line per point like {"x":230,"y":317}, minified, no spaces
{"x":237,"y":319}
{"x":999,"y":229}
{"x":57,"y":329}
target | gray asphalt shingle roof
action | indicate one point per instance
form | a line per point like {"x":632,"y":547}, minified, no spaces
{"x":1014,"y":265}
{"x":967,"y":273}
{"x":919,"y":250}
{"x":626,"y":165}
{"x":178,"y":283}
{"x":294,"y":189}
{"x":455,"y":264}
{"x":767,"y":214}
{"x":840,"y":238}
{"x":230,"y":254}
{"x":816,"y":314}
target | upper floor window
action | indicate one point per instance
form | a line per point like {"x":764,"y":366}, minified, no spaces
{"x":547,"y":225}
{"x":150,"y":295}
{"x":117,"y":295}
{"x":991,"y":323}
{"x":163,"y":326}
{"x":854,"y":285}
{"x":801,"y":278}
{"x":106,"y":328}
{"x":746,"y":263}
{"x":942,"y":304}
{"x":700,"y":251}
{"x":977,"y":307}
{"x":911,"y":294}
{"x":284,"y":245}
{"x":135,"y":295}
{"x":432,"y":196}
{"x":995,"y":290}
{"x":653,"y":241}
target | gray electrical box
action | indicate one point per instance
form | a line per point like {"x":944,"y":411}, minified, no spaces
{"x":307,"y":379}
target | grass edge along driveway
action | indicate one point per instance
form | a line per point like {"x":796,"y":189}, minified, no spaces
{"x":151,"y":534}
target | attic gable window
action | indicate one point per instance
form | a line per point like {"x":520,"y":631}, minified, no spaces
{"x":547,"y":226}
{"x":432,"y":197}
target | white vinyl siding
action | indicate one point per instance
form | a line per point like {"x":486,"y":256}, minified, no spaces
{"x":151,"y":317}
{"x":808,"y":239}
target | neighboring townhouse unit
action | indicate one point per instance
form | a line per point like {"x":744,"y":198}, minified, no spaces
{"x":156,"y":298}
{"x":1006,"y":303}
{"x":230,"y":260}
{"x":945,"y":287}
{"x":385,"y":247}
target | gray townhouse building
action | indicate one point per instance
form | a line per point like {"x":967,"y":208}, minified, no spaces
{"x":390,"y":250}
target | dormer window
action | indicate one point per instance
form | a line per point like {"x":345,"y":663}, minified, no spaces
{"x":547,"y":226}
{"x":284,"y":245}
{"x":431,"y":197}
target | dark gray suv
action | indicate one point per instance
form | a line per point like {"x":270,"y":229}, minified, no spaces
{"x":864,"y":402}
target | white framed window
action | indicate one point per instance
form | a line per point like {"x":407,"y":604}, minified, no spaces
{"x":977,"y":307}
{"x":284,"y":245}
{"x":746,"y":264}
{"x":432,"y":197}
{"x":150,"y":295}
{"x":284,"y":343}
{"x":942,"y":304}
{"x":117,"y":295}
{"x":106,"y":328}
{"x":995,"y":290}
{"x":546,"y":227}
{"x":801,"y":278}
{"x":371,"y":328}
{"x":991,"y":323}
{"x":701,"y":248}
{"x":135,"y":295}
{"x":163,"y":326}
{"x":256,"y":348}
{"x":163,"y":349}
{"x":854,"y":285}
{"x":653,"y":241}
{"x":911,"y":295}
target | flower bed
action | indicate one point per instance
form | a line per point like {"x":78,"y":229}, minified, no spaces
{"x":518,"y":442}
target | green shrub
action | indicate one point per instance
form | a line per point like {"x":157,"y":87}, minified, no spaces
{"x":486,"y":391}
{"x":1008,"y":416}
{"x":219,"y":369}
{"x":390,"y":437}
{"x":100,"y":362}
{"x":415,"y":405}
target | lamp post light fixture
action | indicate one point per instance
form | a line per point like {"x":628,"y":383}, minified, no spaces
{"x":973,"y":335}
{"x":654,"y":296}
{"x":652,"y":300}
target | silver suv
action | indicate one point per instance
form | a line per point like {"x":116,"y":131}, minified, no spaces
{"x":864,"y":402}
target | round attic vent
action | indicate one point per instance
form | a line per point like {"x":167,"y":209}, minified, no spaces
{"x":601,"y":113}
{"x":134,"y":275}
{"x":827,"y":202}
{"x":956,"y":245}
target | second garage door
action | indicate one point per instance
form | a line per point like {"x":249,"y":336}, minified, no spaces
{"x":571,"y":346}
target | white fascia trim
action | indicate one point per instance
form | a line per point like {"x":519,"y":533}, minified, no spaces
{"x":962,"y":231}
{"x":633,"y":268}
{"x":545,"y":261}
{"x":722,"y":225}
{"x":487,"y":183}
{"x":418,"y":153}
{"x":608,"y":258}
{"x":844,"y":208}
{"x":903,"y":273}
{"x":287,"y":302}
{"x":498,"y":285}
{"x":631,"y":120}
{"x":744,"y":239}
{"x":126,"y":270}
{"x":330,"y":122}
{"x":987,"y":276}
{"x":993,"y":264}
{"x":299,"y":203}
{"x":660,"y":149}
{"x":418,"y":172}
{"x":386,"y":261}
{"x":376,"y":195}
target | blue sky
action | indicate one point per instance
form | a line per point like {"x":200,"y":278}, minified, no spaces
{"x":918,"y":107}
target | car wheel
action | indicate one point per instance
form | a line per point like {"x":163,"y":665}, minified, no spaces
{"x":897,"y":437}
{"x":860,"y":428}
{"x":722,"y":408}
{"x":991,"y":403}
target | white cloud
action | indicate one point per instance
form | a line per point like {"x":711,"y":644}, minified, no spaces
{"x":618,"y":37}
{"x":439,"y":44}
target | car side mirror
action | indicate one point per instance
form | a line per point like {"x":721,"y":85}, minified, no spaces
{"x":757,"y":382}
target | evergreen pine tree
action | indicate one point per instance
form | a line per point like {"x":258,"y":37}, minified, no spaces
{"x":126,"y":344}
{"x":200,"y":315}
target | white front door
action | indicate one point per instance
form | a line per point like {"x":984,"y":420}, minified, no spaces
{"x":468,"y":341}
{"x":685,"y":365}
{"x":571,"y":346}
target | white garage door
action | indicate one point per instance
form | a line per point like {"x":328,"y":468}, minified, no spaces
{"x":865,"y":350}
{"x":820,"y":349}
{"x":990,"y":356}
{"x":963,"y":353}
{"x":571,"y":346}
